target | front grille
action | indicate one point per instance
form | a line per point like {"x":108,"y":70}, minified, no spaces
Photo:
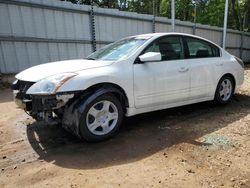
{"x":22,"y":87}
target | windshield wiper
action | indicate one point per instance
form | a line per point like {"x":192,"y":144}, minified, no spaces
{"x":91,"y":58}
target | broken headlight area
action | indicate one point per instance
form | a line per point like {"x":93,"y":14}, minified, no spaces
{"x":50,"y":102}
{"x":40,"y":107}
{"x":48,"y":107}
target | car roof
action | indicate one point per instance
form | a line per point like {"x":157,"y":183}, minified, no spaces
{"x":163,"y":34}
{"x":156,"y":35}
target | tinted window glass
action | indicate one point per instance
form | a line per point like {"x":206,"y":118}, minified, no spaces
{"x":201,"y":49}
{"x":169,"y":47}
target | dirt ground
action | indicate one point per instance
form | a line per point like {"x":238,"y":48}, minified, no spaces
{"x":200,"y":145}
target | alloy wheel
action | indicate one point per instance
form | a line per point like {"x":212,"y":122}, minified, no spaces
{"x":102,"y":117}
{"x":226,"y":89}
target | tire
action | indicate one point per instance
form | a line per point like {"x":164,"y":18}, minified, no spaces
{"x":101,"y":119}
{"x":225,"y":90}
{"x":59,"y":113}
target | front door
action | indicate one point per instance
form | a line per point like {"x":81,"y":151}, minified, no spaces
{"x":162,"y":82}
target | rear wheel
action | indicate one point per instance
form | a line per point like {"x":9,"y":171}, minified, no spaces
{"x":225,"y":90}
{"x":101,"y":119}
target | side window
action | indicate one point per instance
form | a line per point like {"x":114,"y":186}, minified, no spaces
{"x":169,"y":47}
{"x":201,"y":49}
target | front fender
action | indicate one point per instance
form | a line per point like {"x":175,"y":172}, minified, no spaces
{"x":110,"y":75}
{"x":90,"y":77}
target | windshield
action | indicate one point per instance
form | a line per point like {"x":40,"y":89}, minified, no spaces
{"x":117,"y":50}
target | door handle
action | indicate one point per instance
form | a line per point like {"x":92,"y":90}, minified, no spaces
{"x":183,"y":69}
{"x":219,"y":64}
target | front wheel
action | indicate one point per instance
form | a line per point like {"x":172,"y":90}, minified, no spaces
{"x":225,"y":90}
{"x":101,"y":119}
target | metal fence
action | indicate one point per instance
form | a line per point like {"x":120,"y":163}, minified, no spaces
{"x":39,"y":31}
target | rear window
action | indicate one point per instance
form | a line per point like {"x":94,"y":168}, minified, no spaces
{"x":198,"y":48}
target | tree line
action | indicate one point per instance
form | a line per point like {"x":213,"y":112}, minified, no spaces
{"x":210,"y":12}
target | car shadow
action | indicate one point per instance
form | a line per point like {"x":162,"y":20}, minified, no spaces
{"x":140,"y":136}
{"x":247,"y":66}
{"x":5,"y":95}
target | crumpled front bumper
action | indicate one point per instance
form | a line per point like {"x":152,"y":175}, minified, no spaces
{"x":22,"y":100}
{"x":40,"y":103}
{"x":24,"y":104}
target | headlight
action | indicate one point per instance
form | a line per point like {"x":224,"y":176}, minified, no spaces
{"x":50,"y":85}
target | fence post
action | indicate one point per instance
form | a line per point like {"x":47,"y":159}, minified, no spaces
{"x":92,"y":27}
{"x":221,"y":44}
{"x":241,"y":43}
{"x":153,"y":24}
{"x":194,"y":29}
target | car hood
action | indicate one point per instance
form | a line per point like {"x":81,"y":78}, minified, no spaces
{"x":42,"y":71}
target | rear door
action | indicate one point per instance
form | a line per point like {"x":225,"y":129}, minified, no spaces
{"x":205,"y":67}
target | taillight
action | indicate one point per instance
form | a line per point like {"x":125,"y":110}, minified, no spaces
{"x":239,"y":61}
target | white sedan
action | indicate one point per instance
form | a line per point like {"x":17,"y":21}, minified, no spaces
{"x":134,"y":75}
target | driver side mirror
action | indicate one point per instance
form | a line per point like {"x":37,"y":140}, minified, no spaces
{"x":150,"y":56}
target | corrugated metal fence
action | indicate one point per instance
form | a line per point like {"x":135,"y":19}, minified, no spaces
{"x":39,"y":31}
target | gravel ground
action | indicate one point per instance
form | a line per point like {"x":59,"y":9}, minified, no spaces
{"x":200,"y":145}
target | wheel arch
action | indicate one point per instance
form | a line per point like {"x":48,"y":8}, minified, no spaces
{"x":109,"y":87}
{"x":72,"y":114}
{"x":231,"y":76}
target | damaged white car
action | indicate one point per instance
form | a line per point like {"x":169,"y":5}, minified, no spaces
{"x":134,"y":75}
